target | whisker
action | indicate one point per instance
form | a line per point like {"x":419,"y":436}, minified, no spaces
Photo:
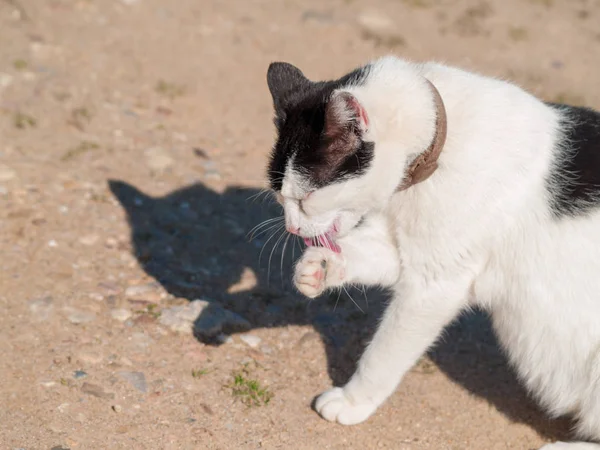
{"x":356,"y":304}
{"x":271,"y":254}
{"x":282,"y":255}
{"x":267,"y":241}
{"x":364,"y":289}
{"x":260,"y":233}
{"x":338,"y":298}
{"x":261,"y":225}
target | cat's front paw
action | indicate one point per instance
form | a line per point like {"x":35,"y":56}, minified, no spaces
{"x":335,"y":405}
{"x":318,"y":269}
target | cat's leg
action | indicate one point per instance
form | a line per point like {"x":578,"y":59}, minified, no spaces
{"x":412,"y":322}
{"x":368,"y":256}
{"x":571,"y":446}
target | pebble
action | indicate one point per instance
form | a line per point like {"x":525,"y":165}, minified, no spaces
{"x":202,"y":317}
{"x":78,"y":374}
{"x":251,"y":340}
{"x":117,"y":408}
{"x":380,"y":27}
{"x":141,"y":290}
{"x":158,"y":159}
{"x":6,"y":173}
{"x":90,"y":357}
{"x":5,"y":80}
{"x":78,"y":317}
{"x":136,"y":379}
{"x":48,"y":384}
{"x":120,"y":314}
{"x":41,"y":308}
{"x":141,"y":340}
{"x":89,"y":239}
{"x":150,"y":292}
{"x":96,"y":391}
{"x":62,"y":407}
{"x":52,"y":243}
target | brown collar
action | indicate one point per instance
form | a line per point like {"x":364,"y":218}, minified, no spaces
{"x":425,"y":164}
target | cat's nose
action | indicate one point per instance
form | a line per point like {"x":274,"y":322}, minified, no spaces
{"x":292,"y":229}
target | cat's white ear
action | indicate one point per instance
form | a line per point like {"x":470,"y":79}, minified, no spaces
{"x":284,"y":80}
{"x":344,"y":113}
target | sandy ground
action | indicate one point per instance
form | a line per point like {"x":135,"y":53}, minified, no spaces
{"x":133,"y":134}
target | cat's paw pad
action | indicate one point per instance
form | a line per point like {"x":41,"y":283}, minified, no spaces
{"x":335,"y":406}
{"x":317,"y":270}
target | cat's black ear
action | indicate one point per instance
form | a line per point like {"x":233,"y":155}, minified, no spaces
{"x":284,"y":81}
{"x":345,"y":114}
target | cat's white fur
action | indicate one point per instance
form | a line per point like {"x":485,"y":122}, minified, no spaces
{"x":478,"y":232}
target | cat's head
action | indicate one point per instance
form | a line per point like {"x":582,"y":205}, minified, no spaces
{"x":332,"y":162}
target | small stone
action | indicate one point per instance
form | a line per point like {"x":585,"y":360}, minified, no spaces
{"x":251,"y":340}
{"x":89,"y":239}
{"x":266,"y":349}
{"x":77,"y":317}
{"x":41,"y":308}
{"x":90,"y":357}
{"x":109,"y":288}
{"x":380,"y":28}
{"x":48,"y":384}
{"x":52,"y":243}
{"x":136,"y":379}
{"x":117,"y":408}
{"x":96,"y":391}
{"x":5,"y":80}
{"x":150,"y":292}
{"x":130,"y":2}
{"x":141,"y":340}
{"x":62,"y":407}
{"x":6,"y":173}
{"x":120,"y":314}
{"x":158,"y":159}
{"x":78,"y":374}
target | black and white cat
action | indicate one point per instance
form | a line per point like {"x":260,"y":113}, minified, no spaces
{"x":454,"y":190}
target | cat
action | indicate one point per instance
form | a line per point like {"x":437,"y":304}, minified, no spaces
{"x":455,"y":190}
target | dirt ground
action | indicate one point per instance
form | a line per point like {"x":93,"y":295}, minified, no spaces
{"x":133,"y":141}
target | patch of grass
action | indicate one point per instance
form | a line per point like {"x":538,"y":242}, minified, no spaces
{"x":419,"y":3}
{"x":546,"y":3}
{"x":249,"y":391}
{"x":79,"y":118}
{"x":150,"y":310}
{"x":518,"y":34}
{"x":384,"y":40}
{"x":83,"y":147}
{"x":22,"y":121}
{"x":198,"y":373}
{"x":170,"y":90}
{"x":20,"y":64}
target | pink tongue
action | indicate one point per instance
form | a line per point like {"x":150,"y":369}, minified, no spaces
{"x":323,"y":240}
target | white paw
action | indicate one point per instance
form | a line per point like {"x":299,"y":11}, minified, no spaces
{"x":318,"y":269}
{"x":335,"y":406}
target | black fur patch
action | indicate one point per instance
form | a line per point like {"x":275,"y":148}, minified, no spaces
{"x":574,"y":182}
{"x":301,"y":124}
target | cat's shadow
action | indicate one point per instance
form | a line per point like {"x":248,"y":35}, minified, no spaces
{"x":194,"y":242}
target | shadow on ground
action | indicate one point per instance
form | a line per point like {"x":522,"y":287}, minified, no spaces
{"x":194,"y":242}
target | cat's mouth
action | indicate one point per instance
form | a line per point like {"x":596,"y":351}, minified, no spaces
{"x":326,"y":240}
